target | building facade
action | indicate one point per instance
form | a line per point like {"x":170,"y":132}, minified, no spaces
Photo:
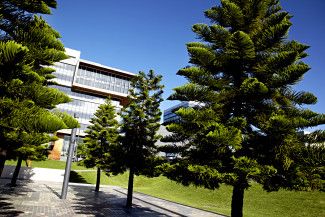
{"x":88,"y":84}
{"x":170,"y":116}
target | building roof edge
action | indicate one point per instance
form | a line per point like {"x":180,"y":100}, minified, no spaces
{"x":106,"y":67}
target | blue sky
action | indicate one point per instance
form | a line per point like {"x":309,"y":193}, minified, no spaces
{"x":146,"y":34}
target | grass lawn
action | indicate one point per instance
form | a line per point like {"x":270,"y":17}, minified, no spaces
{"x":52,"y":164}
{"x":257,"y":202}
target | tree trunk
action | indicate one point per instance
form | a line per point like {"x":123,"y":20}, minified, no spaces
{"x":16,"y":172}
{"x":237,"y":201}
{"x":97,"y":180}
{"x":28,"y":163}
{"x":3,"y":157}
{"x":130,"y":189}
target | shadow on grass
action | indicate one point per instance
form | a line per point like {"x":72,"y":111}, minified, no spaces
{"x":76,"y":178}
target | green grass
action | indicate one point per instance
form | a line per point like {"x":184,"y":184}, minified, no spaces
{"x":257,"y":202}
{"x":52,"y":164}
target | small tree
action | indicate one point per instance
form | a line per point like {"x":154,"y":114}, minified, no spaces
{"x":101,"y":135}
{"x":140,"y":122}
{"x":246,"y":124}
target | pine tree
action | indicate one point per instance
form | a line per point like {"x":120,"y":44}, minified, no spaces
{"x":15,"y":14}
{"x":33,"y":144}
{"x":32,"y":151}
{"x":101,"y":135}
{"x":21,"y":104}
{"x":29,"y":45}
{"x":246,"y":124}
{"x":140,"y":122}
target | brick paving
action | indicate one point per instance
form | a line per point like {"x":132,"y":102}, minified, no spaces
{"x":32,"y":198}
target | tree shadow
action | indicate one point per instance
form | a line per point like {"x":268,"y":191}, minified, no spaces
{"x":89,"y":202}
{"x":8,"y":194}
{"x":152,"y":204}
{"x":25,"y":173}
{"x":7,"y":208}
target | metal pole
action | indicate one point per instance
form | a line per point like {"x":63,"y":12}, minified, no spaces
{"x":76,"y":146}
{"x":68,"y":164}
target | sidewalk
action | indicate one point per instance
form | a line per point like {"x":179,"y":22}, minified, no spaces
{"x":41,"y":198}
{"x":35,"y":174}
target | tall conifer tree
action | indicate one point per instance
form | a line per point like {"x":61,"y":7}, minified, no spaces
{"x":101,"y":135}
{"x":21,"y":104}
{"x":25,"y":98}
{"x":246,"y":125}
{"x":140,"y":123}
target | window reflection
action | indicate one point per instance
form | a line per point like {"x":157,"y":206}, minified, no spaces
{"x":83,"y":105}
{"x":63,"y":72}
{"x":103,"y":80}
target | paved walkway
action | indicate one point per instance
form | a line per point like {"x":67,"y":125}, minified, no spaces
{"x":39,"y":198}
{"x":35,"y":174}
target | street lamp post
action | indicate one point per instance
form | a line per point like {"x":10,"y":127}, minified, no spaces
{"x":100,"y":141}
{"x":68,"y":163}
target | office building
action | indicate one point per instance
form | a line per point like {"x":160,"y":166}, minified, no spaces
{"x":170,"y":116}
{"x":88,"y":84}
